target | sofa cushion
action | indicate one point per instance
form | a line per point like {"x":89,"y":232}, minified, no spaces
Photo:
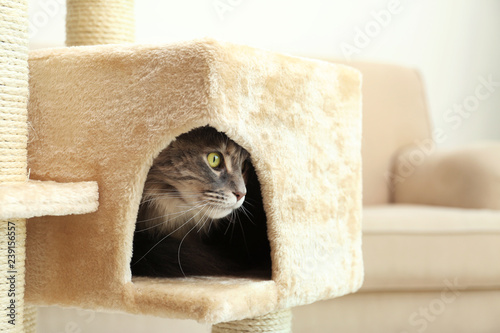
{"x":412,"y":247}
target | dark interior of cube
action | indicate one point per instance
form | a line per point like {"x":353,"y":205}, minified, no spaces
{"x":236,"y":245}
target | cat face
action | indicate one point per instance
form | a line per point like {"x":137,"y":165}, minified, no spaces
{"x":199,"y":177}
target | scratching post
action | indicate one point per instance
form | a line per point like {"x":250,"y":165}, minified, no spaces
{"x":94,"y":22}
{"x":21,"y":198}
{"x":15,"y":315}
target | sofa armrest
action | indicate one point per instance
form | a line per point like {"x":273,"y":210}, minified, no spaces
{"x":468,"y":177}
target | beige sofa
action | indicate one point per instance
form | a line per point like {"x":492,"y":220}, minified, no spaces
{"x":431,"y":230}
{"x":431,"y":224}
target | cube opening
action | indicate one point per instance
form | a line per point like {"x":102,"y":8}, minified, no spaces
{"x":182,"y":232}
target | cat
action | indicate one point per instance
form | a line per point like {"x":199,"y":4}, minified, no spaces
{"x":194,"y":193}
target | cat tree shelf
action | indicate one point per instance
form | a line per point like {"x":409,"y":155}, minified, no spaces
{"x":37,"y":198}
{"x":101,"y":114}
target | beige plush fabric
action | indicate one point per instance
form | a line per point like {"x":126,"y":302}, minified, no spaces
{"x":103,"y":113}
{"x":36,"y":198}
{"x":467,"y":177}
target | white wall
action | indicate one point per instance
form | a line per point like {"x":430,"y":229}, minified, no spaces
{"x":454,"y":43}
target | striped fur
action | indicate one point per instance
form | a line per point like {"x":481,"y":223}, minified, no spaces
{"x":183,"y":199}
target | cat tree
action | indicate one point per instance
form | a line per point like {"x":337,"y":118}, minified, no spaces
{"x":99,"y":115}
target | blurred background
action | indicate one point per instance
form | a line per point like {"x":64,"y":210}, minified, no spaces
{"x":453,"y":43}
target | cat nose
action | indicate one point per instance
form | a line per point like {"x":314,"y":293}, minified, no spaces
{"x":239,"y":195}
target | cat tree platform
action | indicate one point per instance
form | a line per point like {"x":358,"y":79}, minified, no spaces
{"x":103,"y":113}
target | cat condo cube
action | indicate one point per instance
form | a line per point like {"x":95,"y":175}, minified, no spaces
{"x":101,"y":114}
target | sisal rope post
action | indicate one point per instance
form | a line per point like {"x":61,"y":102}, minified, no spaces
{"x":16,"y":315}
{"x":275,"y":322}
{"x":94,"y":22}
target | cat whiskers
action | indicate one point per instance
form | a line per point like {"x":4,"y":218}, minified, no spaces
{"x":234,"y":219}
{"x":168,"y":235}
{"x":247,"y":212}
{"x":175,"y":215}
{"x":205,"y":217}
{"x":248,"y":201}
{"x":168,"y":194}
{"x":230,"y":222}
{"x":243,"y":229}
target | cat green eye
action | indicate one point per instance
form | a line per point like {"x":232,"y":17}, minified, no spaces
{"x":214,"y":159}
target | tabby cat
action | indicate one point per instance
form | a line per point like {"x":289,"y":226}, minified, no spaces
{"x":191,"y":219}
